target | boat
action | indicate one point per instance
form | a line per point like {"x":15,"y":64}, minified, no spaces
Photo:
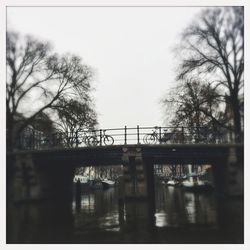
{"x":108,"y":183}
{"x":194,"y":182}
{"x":172,"y":183}
{"x":197,"y":186}
{"x":81,"y":178}
{"x":84,"y":181}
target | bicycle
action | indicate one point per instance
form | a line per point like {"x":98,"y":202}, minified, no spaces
{"x":83,"y":137}
{"x":66,"y":139}
{"x":107,"y":139}
{"x":155,"y":136}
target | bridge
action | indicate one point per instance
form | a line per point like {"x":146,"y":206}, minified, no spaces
{"x":45,"y":168}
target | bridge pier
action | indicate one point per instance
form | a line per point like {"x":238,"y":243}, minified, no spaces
{"x":56,"y":182}
{"x":33,"y":180}
{"x":228,"y":175}
{"x":138,"y":179}
{"x":136,"y":191}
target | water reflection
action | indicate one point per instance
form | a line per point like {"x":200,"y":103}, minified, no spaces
{"x":39,"y":223}
{"x":177,"y":208}
{"x":174,"y":208}
{"x":97,"y":210}
{"x":99,"y":217}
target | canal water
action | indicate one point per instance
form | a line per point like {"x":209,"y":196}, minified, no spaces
{"x":176,"y":217}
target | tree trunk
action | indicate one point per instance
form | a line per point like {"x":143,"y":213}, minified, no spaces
{"x":10,"y":135}
{"x":237,"y":119}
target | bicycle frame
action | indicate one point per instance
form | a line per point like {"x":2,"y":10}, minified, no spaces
{"x":106,"y":139}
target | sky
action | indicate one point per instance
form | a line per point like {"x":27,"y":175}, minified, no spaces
{"x":129,"y":48}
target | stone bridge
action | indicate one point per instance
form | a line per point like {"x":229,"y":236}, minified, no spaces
{"x":48,"y":173}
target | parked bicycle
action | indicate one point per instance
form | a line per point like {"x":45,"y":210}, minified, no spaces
{"x":83,"y":137}
{"x":66,"y":139}
{"x":106,"y":139}
{"x":167,"y":135}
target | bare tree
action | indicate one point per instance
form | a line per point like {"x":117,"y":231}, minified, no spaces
{"x":37,"y":78}
{"x":73,"y":117}
{"x":195,"y":105}
{"x":213,"y":48}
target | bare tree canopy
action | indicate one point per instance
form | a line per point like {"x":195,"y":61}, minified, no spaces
{"x":212,"y":49}
{"x":74,"y":115}
{"x":72,"y":118}
{"x":37,"y":79}
{"x":197,"y":105}
{"x":193,"y":104}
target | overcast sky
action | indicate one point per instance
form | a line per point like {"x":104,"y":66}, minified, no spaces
{"x":129,"y":48}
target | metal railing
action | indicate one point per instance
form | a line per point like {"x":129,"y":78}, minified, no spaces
{"x":122,"y":136}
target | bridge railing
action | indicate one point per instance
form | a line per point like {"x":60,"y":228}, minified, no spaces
{"x":123,"y":136}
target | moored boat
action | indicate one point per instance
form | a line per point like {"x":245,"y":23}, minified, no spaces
{"x":172,"y":183}
{"x":195,"y":182}
{"x":108,"y":183}
{"x":198,"y":186}
{"x":84,"y":181}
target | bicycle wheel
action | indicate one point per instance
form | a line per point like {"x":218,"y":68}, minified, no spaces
{"x":92,"y":141}
{"x":149,"y":139}
{"x":85,"y":140}
{"x":108,"y":140}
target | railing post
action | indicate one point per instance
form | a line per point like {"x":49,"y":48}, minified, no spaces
{"x":182,"y":133}
{"x":125,"y":135}
{"x":52,"y":140}
{"x":33,"y":139}
{"x":198,"y":134}
{"x":138,"y":134}
{"x":160,"y":141}
{"x":100,"y":137}
{"x":77,"y":141}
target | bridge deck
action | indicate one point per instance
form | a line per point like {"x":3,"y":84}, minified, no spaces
{"x":112,"y":155}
